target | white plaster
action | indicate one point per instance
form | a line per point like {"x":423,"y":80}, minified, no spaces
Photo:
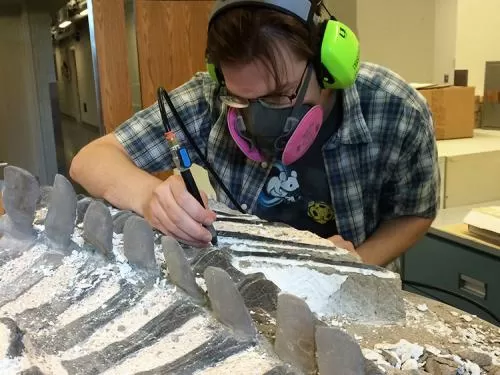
{"x":11,"y":270}
{"x":249,"y":362}
{"x":151,"y":305}
{"x":58,"y":281}
{"x":237,"y":244}
{"x":188,"y":337}
{"x":403,"y":349}
{"x":10,"y":366}
{"x":314,"y":287}
{"x":77,"y":237}
{"x":276,"y":232}
{"x":4,"y":340}
{"x":104,"y":292}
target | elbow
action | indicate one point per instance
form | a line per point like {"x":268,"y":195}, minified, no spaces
{"x":76,"y":166}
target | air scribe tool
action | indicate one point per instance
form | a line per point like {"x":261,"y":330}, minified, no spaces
{"x":181,"y":158}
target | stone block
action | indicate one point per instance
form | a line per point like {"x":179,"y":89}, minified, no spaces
{"x":61,"y":213}
{"x":20,"y":196}
{"x":295,"y":342}
{"x":179,"y":269}
{"x":227,"y":304}
{"x":98,"y":228}
{"x":138,"y":243}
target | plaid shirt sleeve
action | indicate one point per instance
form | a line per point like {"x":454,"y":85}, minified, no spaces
{"x":413,"y":189}
{"x":142,"y":135}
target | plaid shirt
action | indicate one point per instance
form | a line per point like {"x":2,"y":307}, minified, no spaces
{"x":381,"y":163}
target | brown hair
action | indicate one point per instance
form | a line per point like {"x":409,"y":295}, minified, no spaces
{"x":243,"y":34}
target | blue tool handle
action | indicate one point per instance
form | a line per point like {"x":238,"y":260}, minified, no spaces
{"x":184,"y":159}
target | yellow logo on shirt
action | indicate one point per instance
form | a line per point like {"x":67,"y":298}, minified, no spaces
{"x":320,"y":212}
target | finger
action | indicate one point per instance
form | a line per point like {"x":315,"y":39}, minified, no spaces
{"x":170,"y":228}
{"x":204,"y":198}
{"x":340,"y":242}
{"x":187,"y":203}
{"x":166,"y":232}
{"x":336,"y":240}
{"x":178,"y":221}
{"x":348,"y":246}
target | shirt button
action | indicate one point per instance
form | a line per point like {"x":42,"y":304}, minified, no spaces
{"x":244,"y":206}
{"x":264,"y":164}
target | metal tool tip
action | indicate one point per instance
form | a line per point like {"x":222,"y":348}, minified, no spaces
{"x":215,"y":242}
{"x":213,"y":232}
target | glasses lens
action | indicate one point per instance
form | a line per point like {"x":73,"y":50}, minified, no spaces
{"x":234,"y":101}
{"x":279,"y":101}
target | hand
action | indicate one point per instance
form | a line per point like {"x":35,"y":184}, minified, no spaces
{"x":343,"y":244}
{"x":175,"y":212}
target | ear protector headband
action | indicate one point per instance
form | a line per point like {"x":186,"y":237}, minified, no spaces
{"x":337,"y":63}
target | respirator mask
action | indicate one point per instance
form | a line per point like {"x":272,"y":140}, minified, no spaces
{"x":264,"y":130}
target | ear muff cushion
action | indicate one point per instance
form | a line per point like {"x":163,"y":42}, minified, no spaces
{"x":212,"y":71}
{"x":340,"y":55}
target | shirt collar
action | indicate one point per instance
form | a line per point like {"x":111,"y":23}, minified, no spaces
{"x":353,"y":129}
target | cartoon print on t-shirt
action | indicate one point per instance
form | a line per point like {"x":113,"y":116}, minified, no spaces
{"x":283,"y":187}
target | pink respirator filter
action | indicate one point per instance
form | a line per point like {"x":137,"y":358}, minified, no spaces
{"x":298,"y":144}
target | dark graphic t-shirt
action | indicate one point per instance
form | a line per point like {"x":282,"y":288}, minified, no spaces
{"x":299,"y":194}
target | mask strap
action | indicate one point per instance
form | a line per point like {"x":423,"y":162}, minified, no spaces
{"x":242,"y":130}
{"x":302,"y":91}
{"x":292,"y":121}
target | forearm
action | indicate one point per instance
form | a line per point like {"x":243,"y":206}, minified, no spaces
{"x":106,"y":172}
{"x":392,"y":239}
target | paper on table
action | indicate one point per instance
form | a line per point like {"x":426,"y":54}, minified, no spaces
{"x":487,"y":218}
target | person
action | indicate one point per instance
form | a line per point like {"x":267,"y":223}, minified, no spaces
{"x":295,"y":126}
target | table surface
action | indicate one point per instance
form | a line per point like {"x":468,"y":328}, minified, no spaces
{"x":462,"y":231}
{"x":458,"y":233}
{"x":483,"y":141}
{"x":449,"y":223}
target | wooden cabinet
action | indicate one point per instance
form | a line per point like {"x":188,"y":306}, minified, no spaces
{"x":109,"y":35}
{"x":171,"y":42}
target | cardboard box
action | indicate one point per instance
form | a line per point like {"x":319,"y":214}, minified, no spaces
{"x":453,"y":110}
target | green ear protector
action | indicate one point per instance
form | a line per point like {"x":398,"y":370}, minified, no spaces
{"x":338,"y":62}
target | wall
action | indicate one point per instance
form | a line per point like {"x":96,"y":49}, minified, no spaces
{"x":15,"y":120}
{"x":42,"y":102}
{"x":477,"y":38}
{"x":344,"y":11}
{"x":73,"y":100}
{"x":66,"y":81}
{"x":445,"y":40}
{"x":27,"y":70}
{"x":399,"y":34}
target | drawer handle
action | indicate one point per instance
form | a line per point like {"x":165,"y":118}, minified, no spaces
{"x":472,"y":286}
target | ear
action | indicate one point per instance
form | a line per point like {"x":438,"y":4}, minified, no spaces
{"x":294,"y":174}
{"x":282,"y":176}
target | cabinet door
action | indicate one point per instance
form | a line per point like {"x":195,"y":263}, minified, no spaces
{"x":171,"y":42}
